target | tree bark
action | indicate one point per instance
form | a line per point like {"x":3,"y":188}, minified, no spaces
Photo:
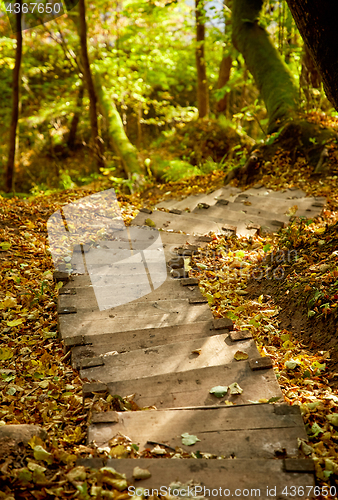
{"x":121,"y":144}
{"x":202,"y":83}
{"x":317,"y":24}
{"x":75,"y":119}
{"x":271,"y":75}
{"x":15,"y":106}
{"x":223,"y":78}
{"x":97,"y":142}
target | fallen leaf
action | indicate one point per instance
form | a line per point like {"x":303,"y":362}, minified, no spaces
{"x":219,"y":391}
{"x":189,"y":439}
{"x":139,"y":473}
{"x":241,"y":355}
{"x":333,"y":419}
{"x":150,"y":223}
{"x":6,"y":353}
{"x":15,"y":322}
{"x":196,"y":351}
{"x":235,"y":388}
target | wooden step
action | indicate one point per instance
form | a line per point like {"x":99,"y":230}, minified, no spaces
{"x":171,"y":358}
{"x":217,"y":479}
{"x":141,"y":339}
{"x":192,"y":201}
{"x":254,"y":431}
{"x":138,"y":316}
{"x":132,"y":340}
{"x":192,"y":388}
{"x":244,"y":212}
{"x":304,"y":206}
{"x":191,"y":223}
{"x":84,"y":299}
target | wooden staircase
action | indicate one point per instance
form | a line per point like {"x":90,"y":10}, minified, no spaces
{"x":166,"y":348}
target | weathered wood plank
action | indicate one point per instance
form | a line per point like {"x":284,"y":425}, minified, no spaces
{"x":140,"y":339}
{"x":218,"y":479}
{"x":85,"y":298}
{"x":181,"y":313}
{"x":191,"y":388}
{"x":254,"y":431}
{"x":192,"y":223}
{"x":170,"y":358}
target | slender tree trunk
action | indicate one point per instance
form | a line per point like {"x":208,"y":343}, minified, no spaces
{"x":271,"y":75}
{"x":223,"y":78}
{"x":317,"y":24}
{"x":15,"y":106}
{"x":97,"y":142}
{"x":202,"y":83}
{"x":75,"y":119}
{"x":121,"y":144}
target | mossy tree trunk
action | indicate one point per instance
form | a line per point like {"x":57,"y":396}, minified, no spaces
{"x":76,"y":118}
{"x":15,"y":105}
{"x":123,"y":148}
{"x":96,"y":140}
{"x":202,"y":83}
{"x":271,"y":75}
{"x":223,"y":78}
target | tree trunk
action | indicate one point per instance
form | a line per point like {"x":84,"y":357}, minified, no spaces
{"x":121,"y":144}
{"x":317,"y":24}
{"x":223,"y":78}
{"x":96,"y":140}
{"x":309,"y":77}
{"x":15,"y":106}
{"x":75,"y":119}
{"x":271,"y":75}
{"x":202,"y":83}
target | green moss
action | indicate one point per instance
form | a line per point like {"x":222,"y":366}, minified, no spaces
{"x":271,"y":74}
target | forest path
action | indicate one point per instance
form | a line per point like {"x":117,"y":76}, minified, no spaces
{"x":167,"y":349}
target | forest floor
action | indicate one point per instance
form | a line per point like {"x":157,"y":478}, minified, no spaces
{"x":293,"y":319}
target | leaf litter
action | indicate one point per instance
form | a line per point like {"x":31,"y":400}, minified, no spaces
{"x":39,"y":387}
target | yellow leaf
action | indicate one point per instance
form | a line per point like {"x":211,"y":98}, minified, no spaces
{"x":8,"y":302}
{"x":6,"y":353}
{"x":196,"y":351}
{"x":240,"y":355}
{"x":15,"y":322}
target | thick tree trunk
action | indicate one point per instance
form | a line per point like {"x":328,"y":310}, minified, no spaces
{"x":271,"y":75}
{"x":202,"y":83}
{"x":75,"y":119}
{"x":309,"y":77}
{"x":317,"y":24}
{"x":223,"y":78}
{"x":121,"y":144}
{"x":15,"y":106}
{"x":97,"y":142}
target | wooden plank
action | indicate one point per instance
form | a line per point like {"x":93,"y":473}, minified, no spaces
{"x":304,"y":205}
{"x":218,"y":479}
{"x":85,"y":298}
{"x":94,"y":324}
{"x":240,"y":212}
{"x":143,"y":309}
{"x":170,"y":358}
{"x":254,"y":431}
{"x":191,"y":388}
{"x":140,"y":339}
{"x":191,"y":202}
{"x":192,"y":223}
